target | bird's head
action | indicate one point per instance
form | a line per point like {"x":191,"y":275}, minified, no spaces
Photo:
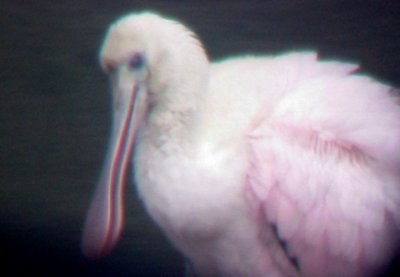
{"x":156,"y":66}
{"x":158,"y":57}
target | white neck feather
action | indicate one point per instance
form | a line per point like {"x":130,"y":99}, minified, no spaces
{"x":178,"y":80}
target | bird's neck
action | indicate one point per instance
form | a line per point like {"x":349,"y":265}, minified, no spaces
{"x":180,"y":89}
{"x":169,"y":131}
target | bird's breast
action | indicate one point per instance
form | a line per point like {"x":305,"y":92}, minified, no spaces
{"x":196,"y":192}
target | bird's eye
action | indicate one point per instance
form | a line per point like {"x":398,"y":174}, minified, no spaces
{"x":136,"y":61}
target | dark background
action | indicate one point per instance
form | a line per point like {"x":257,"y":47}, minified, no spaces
{"x":55,"y":110}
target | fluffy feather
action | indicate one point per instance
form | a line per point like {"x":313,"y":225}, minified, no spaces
{"x":326,"y":168}
{"x":234,"y":158}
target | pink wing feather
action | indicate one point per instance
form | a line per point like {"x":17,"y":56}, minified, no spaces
{"x":326,"y":169}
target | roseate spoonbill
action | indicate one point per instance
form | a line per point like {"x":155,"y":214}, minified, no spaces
{"x":253,"y":166}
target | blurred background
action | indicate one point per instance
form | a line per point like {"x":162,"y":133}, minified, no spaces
{"x":55,"y":111}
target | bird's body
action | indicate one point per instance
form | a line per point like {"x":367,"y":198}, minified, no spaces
{"x":253,"y":166}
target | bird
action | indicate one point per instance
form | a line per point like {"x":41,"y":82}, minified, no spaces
{"x":252,"y":165}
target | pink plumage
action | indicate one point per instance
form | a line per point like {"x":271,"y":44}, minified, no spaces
{"x":251,"y":163}
{"x":326,"y":172}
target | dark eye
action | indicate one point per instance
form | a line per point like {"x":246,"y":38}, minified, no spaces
{"x":136,"y":62}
